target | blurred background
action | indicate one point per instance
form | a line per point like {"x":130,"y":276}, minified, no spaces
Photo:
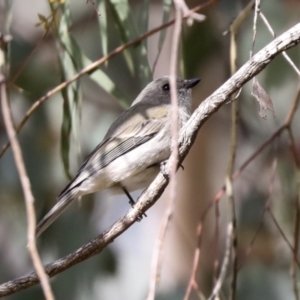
{"x":54,"y":40}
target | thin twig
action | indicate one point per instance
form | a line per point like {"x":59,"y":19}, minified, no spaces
{"x":234,"y":240}
{"x":234,"y":29}
{"x":230,"y":166}
{"x":25,"y":63}
{"x":94,"y":7}
{"x":185,"y":10}
{"x":269,"y":210}
{"x":297,"y":213}
{"x":158,"y":253}
{"x":277,"y":133}
{"x":259,"y":150}
{"x":296,"y":239}
{"x":29,"y":200}
{"x":192,"y":281}
{"x":219,"y":283}
{"x":294,"y":248}
{"x":285,"y":55}
{"x":259,"y":227}
{"x":287,"y":126}
{"x":217,"y":245}
{"x":256,"y":12}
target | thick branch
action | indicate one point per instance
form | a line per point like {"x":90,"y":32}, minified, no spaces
{"x":187,"y":136}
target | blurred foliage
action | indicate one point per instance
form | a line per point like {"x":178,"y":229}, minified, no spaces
{"x":52,"y":42}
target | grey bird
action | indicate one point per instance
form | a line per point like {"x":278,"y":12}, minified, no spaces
{"x":132,"y":150}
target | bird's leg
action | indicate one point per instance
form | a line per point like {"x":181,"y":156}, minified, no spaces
{"x":131,"y":201}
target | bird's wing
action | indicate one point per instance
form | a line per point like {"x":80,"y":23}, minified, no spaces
{"x":135,"y":132}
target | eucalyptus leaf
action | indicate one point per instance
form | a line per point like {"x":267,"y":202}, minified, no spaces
{"x":102,"y":21}
{"x":70,"y":62}
{"x":136,"y":57}
{"x":143,"y":17}
{"x":65,"y":134}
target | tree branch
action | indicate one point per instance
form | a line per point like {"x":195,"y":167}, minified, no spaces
{"x":187,"y":137}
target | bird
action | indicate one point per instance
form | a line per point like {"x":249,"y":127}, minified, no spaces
{"x":133,"y":149}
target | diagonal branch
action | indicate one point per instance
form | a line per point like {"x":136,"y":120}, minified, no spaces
{"x":188,"y":135}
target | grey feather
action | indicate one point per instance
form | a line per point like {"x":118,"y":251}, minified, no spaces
{"x":54,"y":213}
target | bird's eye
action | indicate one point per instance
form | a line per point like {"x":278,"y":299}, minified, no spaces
{"x":166,"y":87}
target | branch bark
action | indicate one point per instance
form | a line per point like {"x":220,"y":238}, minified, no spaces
{"x":187,"y":137}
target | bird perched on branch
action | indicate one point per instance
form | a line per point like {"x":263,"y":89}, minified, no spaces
{"x":132,"y":150}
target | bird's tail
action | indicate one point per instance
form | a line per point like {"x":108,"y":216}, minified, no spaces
{"x":63,"y":202}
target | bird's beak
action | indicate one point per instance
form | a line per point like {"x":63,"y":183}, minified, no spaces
{"x":190,"y":83}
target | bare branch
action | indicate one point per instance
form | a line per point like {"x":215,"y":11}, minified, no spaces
{"x":192,"y":280}
{"x":234,"y":29}
{"x":185,"y":10}
{"x":219,"y":283}
{"x":256,"y":12}
{"x":297,"y":215}
{"x":157,"y":258}
{"x":288,"y":59}
{"x":29,"y":200}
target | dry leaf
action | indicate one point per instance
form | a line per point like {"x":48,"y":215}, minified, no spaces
{"x":264,"y":100}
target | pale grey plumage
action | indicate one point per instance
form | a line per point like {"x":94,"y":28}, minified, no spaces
{"x":134,"y":146}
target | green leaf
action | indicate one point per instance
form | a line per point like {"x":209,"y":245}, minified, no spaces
{"x":143,"y":17}
{"x":136,"y":57}
{"x":100,"y":77}
{"x":69,"y":61}
{"x":42,"y":18}
{"x":65,"y":133}
{"x":72,"y":60}
{"x":80,"y":60}
{"x":102,"y":20}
